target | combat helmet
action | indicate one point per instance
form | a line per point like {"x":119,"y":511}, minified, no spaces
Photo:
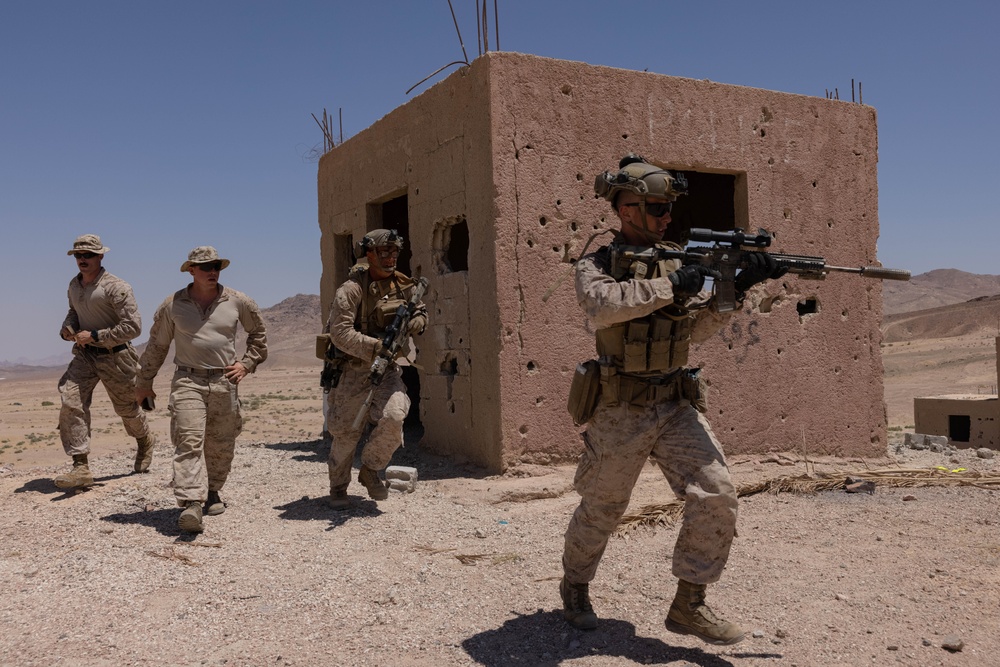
{"x":376,"y":238}
{"x":638,"y":176}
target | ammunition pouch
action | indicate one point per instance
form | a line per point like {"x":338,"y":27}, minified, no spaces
{"x":333,"y":362}
{"x":323,"y":343}
{"x":654,"y":343}
{"x":383,"y":314}
{"x":694,"y":389}
{"x":584,"y":392}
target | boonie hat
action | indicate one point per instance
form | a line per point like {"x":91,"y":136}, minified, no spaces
{"x":202,"y":255}
{"x":88,"y":243}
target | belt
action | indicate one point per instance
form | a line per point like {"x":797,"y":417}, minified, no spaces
{"x":638,"y":390}
{"x":654,"y":380}
{"x":203,"y":372}
{"x":105,"y":350}
{"x":645,"y":392}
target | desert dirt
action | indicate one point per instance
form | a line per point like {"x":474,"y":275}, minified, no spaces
{"x":465,"y":570}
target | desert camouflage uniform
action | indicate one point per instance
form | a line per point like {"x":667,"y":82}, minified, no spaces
{"x":390,"y":402}
{"x":621,"y":436}
{"x":108,"y":307}
{"x":204,"y":405}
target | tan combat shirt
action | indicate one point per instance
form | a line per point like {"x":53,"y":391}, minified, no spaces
{"x":344,"y":313}
{"x":203,"y":339}
{"x":107,"y":306}
{"x":607,"y":301}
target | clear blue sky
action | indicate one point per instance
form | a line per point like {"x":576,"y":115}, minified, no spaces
{"x":161,"y":126}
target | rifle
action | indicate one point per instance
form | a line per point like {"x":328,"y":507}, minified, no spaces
{"x":727,"y":256}
{"x":392,"y":341}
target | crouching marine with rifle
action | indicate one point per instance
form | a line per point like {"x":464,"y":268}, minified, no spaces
{"x":373,"y":316}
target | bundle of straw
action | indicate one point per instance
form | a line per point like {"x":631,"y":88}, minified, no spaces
{"x":666,"y":514}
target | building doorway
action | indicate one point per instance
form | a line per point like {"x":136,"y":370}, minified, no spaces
{"x":959,"y":428}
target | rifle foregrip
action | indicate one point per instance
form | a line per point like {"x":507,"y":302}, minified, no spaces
{"x":882,"y":273}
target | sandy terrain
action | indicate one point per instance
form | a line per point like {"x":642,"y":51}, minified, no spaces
{"x":464,"y":571}
{"x":280,"y":404}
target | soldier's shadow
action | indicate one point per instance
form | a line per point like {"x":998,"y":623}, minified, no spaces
{"x":164,"y":521}
{"x":44,"y":485}
{"x":543,"y":639}
{"x":318,"y":509}
{"x":312,"y":450}
{"x":47,"y":486}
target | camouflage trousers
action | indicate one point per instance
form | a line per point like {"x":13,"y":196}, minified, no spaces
{"x":116,"y":371}
{"x":619,"y":440}
{"x":204,"y":422}
{"x":387,"y":412}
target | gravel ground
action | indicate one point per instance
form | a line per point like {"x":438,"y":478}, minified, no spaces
{"x":465,"y":571}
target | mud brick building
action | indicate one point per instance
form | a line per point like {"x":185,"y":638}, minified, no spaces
{"x":489,"y":175}
{"x":966,"y":420}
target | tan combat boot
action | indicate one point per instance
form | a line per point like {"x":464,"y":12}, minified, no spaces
{"x":190,"y":519}
{"x":370,"y":480}
{"x":144,"y":452}
{"x":214,"y":505}
{"x":576,"y":605}
{"x":77,"y":478}
{"x":338,"y":500}
{"x":689,"y":615}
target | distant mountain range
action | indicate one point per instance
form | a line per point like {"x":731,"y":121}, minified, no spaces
{"x":292,"y":326}
{"x":941,"y":287}
{"x":936,"y":304}
{"x":941,"y":304}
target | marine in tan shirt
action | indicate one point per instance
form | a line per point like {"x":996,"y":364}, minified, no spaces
{"x":362,"y":310}
{"x":102,"y":321}
{"x":202,"y":321}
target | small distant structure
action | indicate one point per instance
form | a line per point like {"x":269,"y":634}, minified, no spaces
{"x":967,"y":420}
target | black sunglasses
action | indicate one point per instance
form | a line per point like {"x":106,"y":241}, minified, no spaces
{"x":209,"y":266}
{"x":85,"y":255}
{"x":657,"y":210}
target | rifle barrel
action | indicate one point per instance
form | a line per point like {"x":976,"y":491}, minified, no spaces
{"x":817,"y":267}
{"x":877,"y":272}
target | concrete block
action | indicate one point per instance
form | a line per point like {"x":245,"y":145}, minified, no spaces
{"x":450,"y":311}
{"x":934,"y":440}
{"x":434,"y":387}
{"x":401,"y":478}
{"x":915,"y":440}
{"x":452,"y":285}
{"x":439,"y":335}
{"x":458,"y":335}
{"x":461,"y":388}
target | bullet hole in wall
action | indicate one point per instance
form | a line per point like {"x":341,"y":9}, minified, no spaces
{"x":807,"y":307}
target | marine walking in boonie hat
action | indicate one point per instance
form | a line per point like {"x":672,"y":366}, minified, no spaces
{"x":203,"y":254}
{"x":88,"y":243}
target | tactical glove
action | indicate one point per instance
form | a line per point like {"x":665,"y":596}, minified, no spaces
{"x":688,"y":280}
{"x":416,"y":325}
{"x":760,"y":266}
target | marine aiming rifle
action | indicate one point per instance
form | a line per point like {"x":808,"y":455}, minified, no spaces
{"x":727,"y":256}
{"x":392,"y":342}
